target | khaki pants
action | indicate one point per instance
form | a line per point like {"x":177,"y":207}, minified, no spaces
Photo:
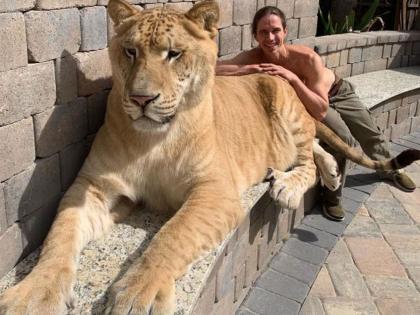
{"x":352,"y":122}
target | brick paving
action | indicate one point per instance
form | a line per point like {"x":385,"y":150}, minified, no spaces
{"x":367,"y":264}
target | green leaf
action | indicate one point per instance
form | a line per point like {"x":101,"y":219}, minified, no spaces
{"x":368,"y":16}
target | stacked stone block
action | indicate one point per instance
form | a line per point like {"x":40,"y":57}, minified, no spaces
{"x":246,"y":255}
{"x":356,"y":53}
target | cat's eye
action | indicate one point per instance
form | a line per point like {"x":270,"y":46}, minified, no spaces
{"x":131,"y":53}
{"x":174,"y":54}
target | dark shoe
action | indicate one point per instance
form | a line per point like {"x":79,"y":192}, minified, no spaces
{"x":400,"y":179}
{"x":333,"y":212}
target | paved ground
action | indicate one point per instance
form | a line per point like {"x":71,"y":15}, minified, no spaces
{"x":368,"y":264}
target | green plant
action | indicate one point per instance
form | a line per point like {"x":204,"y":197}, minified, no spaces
{"x":349,"y":24}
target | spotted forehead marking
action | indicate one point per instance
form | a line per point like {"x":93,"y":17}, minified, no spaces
{"x":156,"y":24}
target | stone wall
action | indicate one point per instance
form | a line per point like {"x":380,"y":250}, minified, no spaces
{"x":54,"y":81}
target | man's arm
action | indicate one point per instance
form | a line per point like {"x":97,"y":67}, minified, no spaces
{"x":314,"y":92}
{"x":241,"y":64}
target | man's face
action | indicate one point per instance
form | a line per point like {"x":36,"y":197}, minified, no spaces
{"x":270,"y":33}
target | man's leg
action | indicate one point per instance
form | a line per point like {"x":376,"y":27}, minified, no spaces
{"x":362,"y":126}
{"x":332,"y":199}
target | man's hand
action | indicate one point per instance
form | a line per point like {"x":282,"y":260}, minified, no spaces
{"x":277,"y":70}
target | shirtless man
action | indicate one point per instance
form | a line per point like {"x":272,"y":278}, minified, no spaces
{"x":326,"y":97}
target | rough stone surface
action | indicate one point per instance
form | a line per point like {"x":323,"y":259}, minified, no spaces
{"x":243,"y":11}
{"x":60,"y":126}
{"x":10,"y":248}
{"x":246,"y":37}
{"x":52,"y":34}
{"x":372,"y":52}
{"x":54,"y":4}
{"x":391,"y":287}
{"x":305,"y":8}
{"x":344,"y":305}
{"x":355,"y":55}
{"x":33,"y":188}
{"x":96,"y":108}
{"x":307,"y":26}
{"x":230,"y":40}
{"x":26,"y":91}
{"x":293,"y":267}
{"x":17,"y":148}
{"x":93,"y":72}
{"x":16,"y":5}
{"x":390,"y":211}
{"x":309,"y":253}
{"x":312,"y":306}
{"x":348,"y":281}
{"x":35,"y":226}
{"x":292,"y":29}
{"x":65,"y":79}
{"x":365,"y":252}
{"x":375,"y":65}
{"x":12,"y":41}
{"x":3,"y":219}
{"x":71,"y":160}
{"x":286,"y":6}
{"x":93,"y":21}
{"x":391,"y":306}
{"x":264,"y":302}
{"x":323,"y":286}
{"x":226,"y":13}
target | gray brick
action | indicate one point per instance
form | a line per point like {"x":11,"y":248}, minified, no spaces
{"x":397,"y":50}
{"x":60,"y":126}
{"x":355,"y":194}
{"x":400,"y":130}
{"x":382,"y":120}
{"x":416,"y":48}
{"x":343,"y":71}
{"x":308,"y":42}
{"x":387,"y":51}
{"x":375,"y":65}
{"x":180,"y":6}
{"x":260,"y":4}
{"x":390,"y":211}
{"x":408,"y":48}
{"x":304,"y":251}
{"x":344,"y":56}
{"x":241,"y":311}
{"x":318,"y":221}
{"x":93,"y":71}
{"x":3,"y":219}
{"x":305,"y":8}
{"x":66,"y":79}
{"x":264,"y":302}
{"x":16,"y":5}
{"x":405,"y":61}
{"x":26,"y":91}
{"x":71,"y":160}
{"x":357,"y":68}
{"x":226,"y":13}
{"x":414,"y":60}
{"x":283,"y":285}
{"x":96,"y":108}
{"x":36,"y":226}
{"x":10,"y":249}
{"x":287,"y":7}
{"x":272,"y":3}
{"x":372,"y":52}
{"x":224,"y":278}
{"x":54,"y":4}
{"x":243,"y":11}
{"x":312,"y":306}
{"x":230,"y":40}
{"x":246,"y":37}
{"x":415,"y":124}
{"x":295,"y":268}
{"x":52,"y":34}
{"x":93,"y":21}
{"x":17,"y":148}
{"x":394,"y":62}
{"x":315,"y":237}
{"x":32,"y":189}
{"x":12,"y":41}
{"x":355,"y":55}
{"x":355,"y":40}
{"x":350,"y":205}
{"x":292,"y":29}
{"x":402,"y":114}
{"x":307,"y":26}
{"x":333,"y":59}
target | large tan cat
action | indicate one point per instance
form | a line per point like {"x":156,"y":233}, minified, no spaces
{"x":181,"y":141}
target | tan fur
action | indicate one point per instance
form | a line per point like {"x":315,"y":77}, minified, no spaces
{"x":191,"y":151}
